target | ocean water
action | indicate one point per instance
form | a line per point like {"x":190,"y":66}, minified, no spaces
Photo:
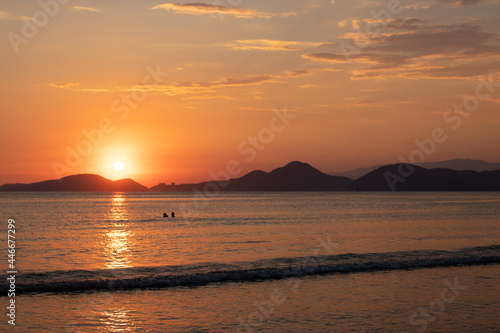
{"x":254,"y":262}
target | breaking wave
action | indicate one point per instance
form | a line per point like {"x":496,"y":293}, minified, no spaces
{"x":279,"y":268}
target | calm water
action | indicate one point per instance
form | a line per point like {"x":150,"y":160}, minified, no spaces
{"x":250,"y":262}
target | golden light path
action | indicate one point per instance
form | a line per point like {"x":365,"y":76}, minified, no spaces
{"x":117,"y":245}
{"x":118,"y":241}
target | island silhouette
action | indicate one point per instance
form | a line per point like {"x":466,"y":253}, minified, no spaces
{"x":79,"y":183}
{"x":460,"y":164}
{"x":295,"y":176}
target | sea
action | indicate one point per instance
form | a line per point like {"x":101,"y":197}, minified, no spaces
{"x":250,"y":262}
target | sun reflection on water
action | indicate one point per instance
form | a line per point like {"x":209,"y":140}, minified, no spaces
{"x":117,"y":320}
{"x":119,"y":210}
{"x":118,"y":242}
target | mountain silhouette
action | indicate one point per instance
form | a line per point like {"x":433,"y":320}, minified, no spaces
{"x":295,"y":176}
{"x":459,"y":164}
{"x":355,"y":173}
{"x":462,"y":164}
{"x":298,"y":176}
{"x":407,"y":177}
{"x":79,"y":183}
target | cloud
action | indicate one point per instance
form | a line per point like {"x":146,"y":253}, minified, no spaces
{"x":366,"y":103}
{"x":5,"y":16}
{"x":463,"y":71}
{"x":410,"y":48}
{"x":269,"y":45}
{"x":74,"y":87}
{"x":299,"y":72}
{"x":374,"y":90}
{"x":462,"y":2}
{"x":65,"y":85}
{"x":86,"y":9}
{"x":326,"y":57}
{"x":228,"y":82}
{"x":205,"y":87}
{"x":206,"y":97}
{"x":455,"y":3}
{"x":182,"y":88}
{"x":367,"y":58}
{"x":376,"y":24}
{"x":205,"y":8}
{"x":493,"y":100}
{"x":328,"y":44}
{"x":262,"y":109}
{"x":418,"y":6}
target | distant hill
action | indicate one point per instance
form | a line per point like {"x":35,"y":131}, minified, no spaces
{"x":79,"y":183}
{"x":295,"y":176}
{"x":298,"y":176}
{"x":355,"y":173}
{"x":459,"y":164}
{"x":463,"y":164}
{"x":422,"y":179}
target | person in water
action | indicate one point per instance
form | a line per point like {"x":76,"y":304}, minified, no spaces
{"x":165,"y":215}
{"x":173,"y":214}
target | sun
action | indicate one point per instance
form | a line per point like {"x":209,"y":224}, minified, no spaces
{"x":118,"y":166}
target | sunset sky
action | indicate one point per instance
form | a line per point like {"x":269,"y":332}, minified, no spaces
{"x":360,"y":81}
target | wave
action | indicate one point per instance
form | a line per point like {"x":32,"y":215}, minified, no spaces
{"x":279,"y":268}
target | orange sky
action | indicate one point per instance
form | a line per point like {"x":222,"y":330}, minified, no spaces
{"x":360,"y":81}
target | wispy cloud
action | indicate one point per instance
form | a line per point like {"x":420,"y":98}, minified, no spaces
{"x":75,"y":87}
{"x":5,"y":16}
{"x":228,"y":82}
{"x":374,"y":90}
{"x":205,"y":8}
{"x":366,"y":103}
{"x":270,"y":45}
{"x":462,"y":2}
{"x":299,"y":72}
{"x":410,"y":48}
{"x":65,"y":85}
{"x":183,"y":88}
{"x":86,"y":9}
{"x":206,"y":97}
{"x":262,"y":109}
{"x":206,"y":88}
{"x":418,"y":6}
